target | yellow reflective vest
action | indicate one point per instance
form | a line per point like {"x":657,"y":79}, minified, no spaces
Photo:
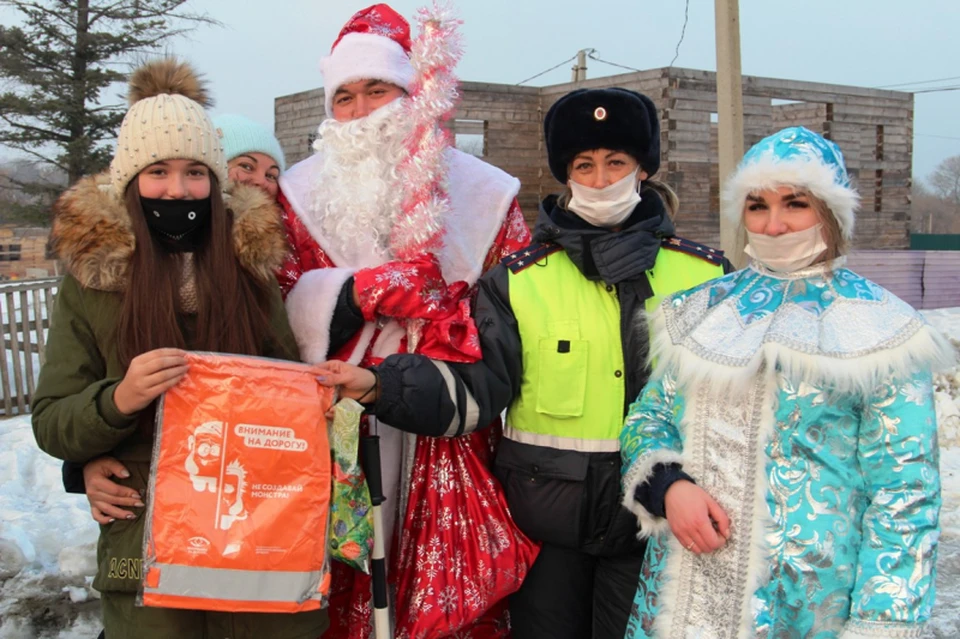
{"x":572,"y":392}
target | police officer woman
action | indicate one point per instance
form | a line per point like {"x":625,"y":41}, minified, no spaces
{"x":564,"y":353}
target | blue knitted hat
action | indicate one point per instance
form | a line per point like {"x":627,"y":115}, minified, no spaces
{"x":242,"y":135}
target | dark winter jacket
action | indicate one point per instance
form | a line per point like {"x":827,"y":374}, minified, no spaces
{"x":74,"y":415}
{"x":563,"y":497}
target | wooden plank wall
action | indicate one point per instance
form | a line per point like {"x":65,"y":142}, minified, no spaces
{"x":32,"y":254}
{"x":513,"y":138}
{"x":874,"y":128}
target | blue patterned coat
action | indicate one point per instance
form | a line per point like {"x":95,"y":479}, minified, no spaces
{"x":803,"y":404}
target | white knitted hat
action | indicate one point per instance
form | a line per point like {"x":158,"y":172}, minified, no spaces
{"x":166,"y":121}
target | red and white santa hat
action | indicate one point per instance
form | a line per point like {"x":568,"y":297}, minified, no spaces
{"x":373,"y":45}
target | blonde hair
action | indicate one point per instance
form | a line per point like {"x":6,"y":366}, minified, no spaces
{"x":837,"y":245}
{"x":667,"y":194}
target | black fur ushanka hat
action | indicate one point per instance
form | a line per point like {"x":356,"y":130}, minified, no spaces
{"x":614,"y":118}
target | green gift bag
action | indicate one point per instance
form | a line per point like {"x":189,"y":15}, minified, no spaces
{"x":351,"y":521}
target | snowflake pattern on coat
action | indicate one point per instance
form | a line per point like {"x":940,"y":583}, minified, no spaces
{"x":467,"y":581}
{"x":852,"y":493}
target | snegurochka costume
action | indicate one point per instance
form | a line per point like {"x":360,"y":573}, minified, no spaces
{"x":802,"y":402}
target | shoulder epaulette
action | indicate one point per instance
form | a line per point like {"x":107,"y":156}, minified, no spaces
{"x":712,"y":255}
{"x":529,"y":256}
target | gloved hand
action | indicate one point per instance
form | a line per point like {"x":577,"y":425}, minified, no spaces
{"x":412,"y":289}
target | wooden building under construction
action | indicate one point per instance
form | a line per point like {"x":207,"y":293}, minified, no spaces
{"x":503,"y":124}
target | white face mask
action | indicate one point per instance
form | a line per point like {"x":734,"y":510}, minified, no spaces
{"x":606,"y":207}
{"x":788,"y":252}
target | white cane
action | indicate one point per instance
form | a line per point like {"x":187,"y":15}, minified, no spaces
{"x":370,"y":456}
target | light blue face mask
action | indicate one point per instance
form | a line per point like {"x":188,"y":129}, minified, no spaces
{"x":606,"y":207}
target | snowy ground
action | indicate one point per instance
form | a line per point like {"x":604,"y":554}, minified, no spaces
{"x":46,"y":545}
{"x":47,"y":538}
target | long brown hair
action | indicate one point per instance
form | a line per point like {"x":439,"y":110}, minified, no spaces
{"x":231,"y":313}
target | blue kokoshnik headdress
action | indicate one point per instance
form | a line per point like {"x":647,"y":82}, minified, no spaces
{"x":796,"y":157}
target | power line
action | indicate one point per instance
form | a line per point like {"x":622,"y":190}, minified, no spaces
{"x":533,"y":77}
{"x":683,"y":32}
{"x":904,"y":84}
{"x":938,"y":89}
{"x":613,"y":64}
{"x":943,"y":137}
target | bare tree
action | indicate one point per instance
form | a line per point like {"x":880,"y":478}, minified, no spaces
{"x":945,"y":180}
{"x":929,"y":213}
{"x":55,"y":67}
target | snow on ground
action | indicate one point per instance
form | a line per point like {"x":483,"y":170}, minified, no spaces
{"x":946,"y":616}
{"x":47,"y":538}
{"x":47,"y":545}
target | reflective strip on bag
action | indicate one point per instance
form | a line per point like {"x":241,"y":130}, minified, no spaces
{"x":235,"y":585}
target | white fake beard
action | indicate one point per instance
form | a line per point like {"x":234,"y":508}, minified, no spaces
{"x":357,"y":194}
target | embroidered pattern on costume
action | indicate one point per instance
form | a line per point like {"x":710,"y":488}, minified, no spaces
{"x":720,"y":446}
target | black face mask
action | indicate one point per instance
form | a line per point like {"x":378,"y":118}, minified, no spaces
{"x":178,"y":225}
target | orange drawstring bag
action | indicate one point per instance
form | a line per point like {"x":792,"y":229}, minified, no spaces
{"x":239,"y":496}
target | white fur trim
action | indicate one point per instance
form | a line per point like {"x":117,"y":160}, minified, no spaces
{"x":310,"y":306}
{"x":768,"y":174}
{"x":364,"y":56}
{"x":670,"y":577}
{"x":638,"y":474}
{"x":480,"y":197}
{"x":388,"y":341}
{"x":859,"y":629}
{"x":927,"y":347}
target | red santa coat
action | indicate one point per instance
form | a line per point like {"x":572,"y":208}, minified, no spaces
{"x":484,"y":225}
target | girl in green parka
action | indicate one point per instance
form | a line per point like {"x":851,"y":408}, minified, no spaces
{"x":158,"y":261}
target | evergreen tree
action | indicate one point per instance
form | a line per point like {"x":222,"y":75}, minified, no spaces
{"x":56,"y":65}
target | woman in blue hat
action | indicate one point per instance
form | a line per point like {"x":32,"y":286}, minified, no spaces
{"x":254,"y":155}
{"x":782,"y":462}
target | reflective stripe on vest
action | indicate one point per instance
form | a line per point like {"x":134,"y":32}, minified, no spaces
{"x":562,"y":443}
{"x":573,"y":384}
{"x":234,"y":585}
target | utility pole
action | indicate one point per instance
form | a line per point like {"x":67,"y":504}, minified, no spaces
{"x":580,"y":70}
{"x":729,"y":110}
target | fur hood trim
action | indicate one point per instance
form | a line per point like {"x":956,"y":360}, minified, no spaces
{"x":93,"y":237}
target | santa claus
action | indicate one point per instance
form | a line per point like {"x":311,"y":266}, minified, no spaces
{"x":347,"y":294}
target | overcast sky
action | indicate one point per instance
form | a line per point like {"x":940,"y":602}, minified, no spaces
{"x":272,"y":48}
